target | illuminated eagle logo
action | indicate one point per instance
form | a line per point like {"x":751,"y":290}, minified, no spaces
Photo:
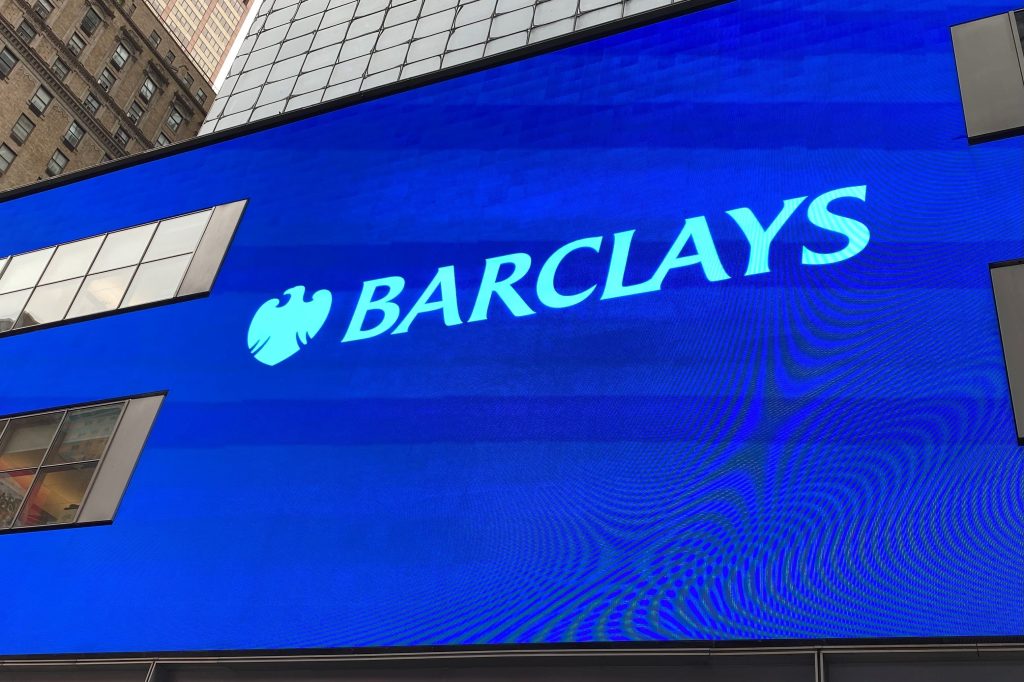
{"x":278,"y":331}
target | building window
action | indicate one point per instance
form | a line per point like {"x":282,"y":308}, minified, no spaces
{"x":201,"y":96}
{"x":162,"y":140}
{"x":26,"y":31}
{"x":23,"y":127}
{"x":121,"y":135}
{"x":74,"y":135}
{"x":106,"y":80}
{"x":154,"y":38}
{"x":170,"y":57}
{"x":147,"y":90}
{"x":135,"y":112}
{"x":76,"y":43}
{"x":60,"y":69}
{"x":174,"y":119}
{"x":7,"y":156}
{"x":7,"y":62}
{"x":43,"y":8}
{"x":114,"y":271}
{"x":57,"y":163}
{"x":189,"y":80}
{"x":90,"y":22}
{"x":40,"y":100}
{"x":120,"y":56}
{"x":91,"y":103}
{"x":70,"y":466}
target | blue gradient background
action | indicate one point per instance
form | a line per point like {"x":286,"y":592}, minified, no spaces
{"x":814,"y":452}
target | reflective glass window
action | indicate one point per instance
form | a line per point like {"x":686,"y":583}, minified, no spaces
{"x":178,"y":235}
{"x":156,"y":281}
{"x":123,"y":248}
{"x":24,"y":270}
{"x":56,"y":495}
{"x":84,"y":434}
{"x":101,"y":292}
{"x":71,"y":260}
{"x":26,"y":439}
{"x":49,"y":303}
{"x":13,"y":486}
{"x":11,"y":306}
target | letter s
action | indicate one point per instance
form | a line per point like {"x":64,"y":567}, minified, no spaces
{"x":856,"y":233}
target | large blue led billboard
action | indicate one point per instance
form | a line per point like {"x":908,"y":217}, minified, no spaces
{"x":685,"y":333}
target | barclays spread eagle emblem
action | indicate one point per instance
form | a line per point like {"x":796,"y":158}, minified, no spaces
{"x":278,"y":331}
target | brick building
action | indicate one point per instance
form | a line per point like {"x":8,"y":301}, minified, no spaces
{"x":85,"y":81}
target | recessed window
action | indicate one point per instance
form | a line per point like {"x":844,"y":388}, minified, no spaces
{"x":73,"y":136}
{"x":154,"y":38}
{"x":189,"y":80}
{"x":174,"y":118}
{"x":135,"y":112}
{"x":106,"y":80}
{"x":7,"y":157}
{"x":134,"y":267}
{"x":43,"y":8}
{"x":170,"y":57}
{"x":90,"y":22}
{"x":60,"y":69}
{"x":162,"y":140}
{"x":76,"y":43}
{"x":70,"y":466}
{"x":57,"y":163}
{"x":91,"y":103}
{"x":8,"y":61}
{"x":147,"y":90}
{"x":40,"y":100}
{"x":23,"y":127}
{"x":26,"y":31}
{"x":120,"y":56}
{"x":201,"y":96}
{"x":121,"y":136}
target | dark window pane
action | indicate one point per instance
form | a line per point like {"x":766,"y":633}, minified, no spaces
{"x":76,"y":44}
{"x":156,"y":281}
{"x":13,"y":486}
{"x":11,"y":306}
{"x":56,"y":495}
{"x":90,"y":22}
{"x":26,"y":439}
{"x":23,"y":127}
{"x":101,"y":293}
{"x":49,"y":303}
{"x":40,"y":100}
{"x":83,"y":436}
{"x":26,"y":31}
{"x":7,"y":62}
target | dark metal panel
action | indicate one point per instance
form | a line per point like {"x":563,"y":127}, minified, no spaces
{"x":989,"y":71}
{"x":212,"y":249}
{"x":119,"y":463}
{"x":1008,"y":288}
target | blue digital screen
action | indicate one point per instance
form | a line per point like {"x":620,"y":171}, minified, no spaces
{"x":681,"y":334}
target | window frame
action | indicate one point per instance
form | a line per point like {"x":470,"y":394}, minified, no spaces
{"x":46,"y":104}
{"x":62,"y":166}
{"x":26,"y":27}
{"x":172,"y":124}
{"x":76,"y":43}
{"x":6,"y":163}
{"x":121,"y":52}
{"x":102,"y":80}
{"x":61,"y":71}
{"x":31,"y":127}
{"x":74,"y":135}
{"x":147,"y":93}
{"x":45,"y":5}
{"x":8,"y":61}
{"x":91,"y":27}
{"x":85,"y":102}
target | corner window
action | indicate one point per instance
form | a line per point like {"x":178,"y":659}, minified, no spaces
{"x":57,"y":163}
{"x":40,"y":100}
{"x":43,"y":8}
{"x":60,"y":69}
{"x":121,"y":136}
{"x":91,"y":103}
{"x":76,"y":43}
{"x":120,"y":56}
{"x":73,"y":136}
{"x":106,"y":80}
{"x":147,"y":90}
{"x":7,"y":157}
{"x":170,"y":259}
{"x":7,"y":62}
{"x":90,"y":22}
{"x":26,"y":31}
{"x":174,"y":118}
{"x":23,"y":127}
{"x":70,"y":466}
